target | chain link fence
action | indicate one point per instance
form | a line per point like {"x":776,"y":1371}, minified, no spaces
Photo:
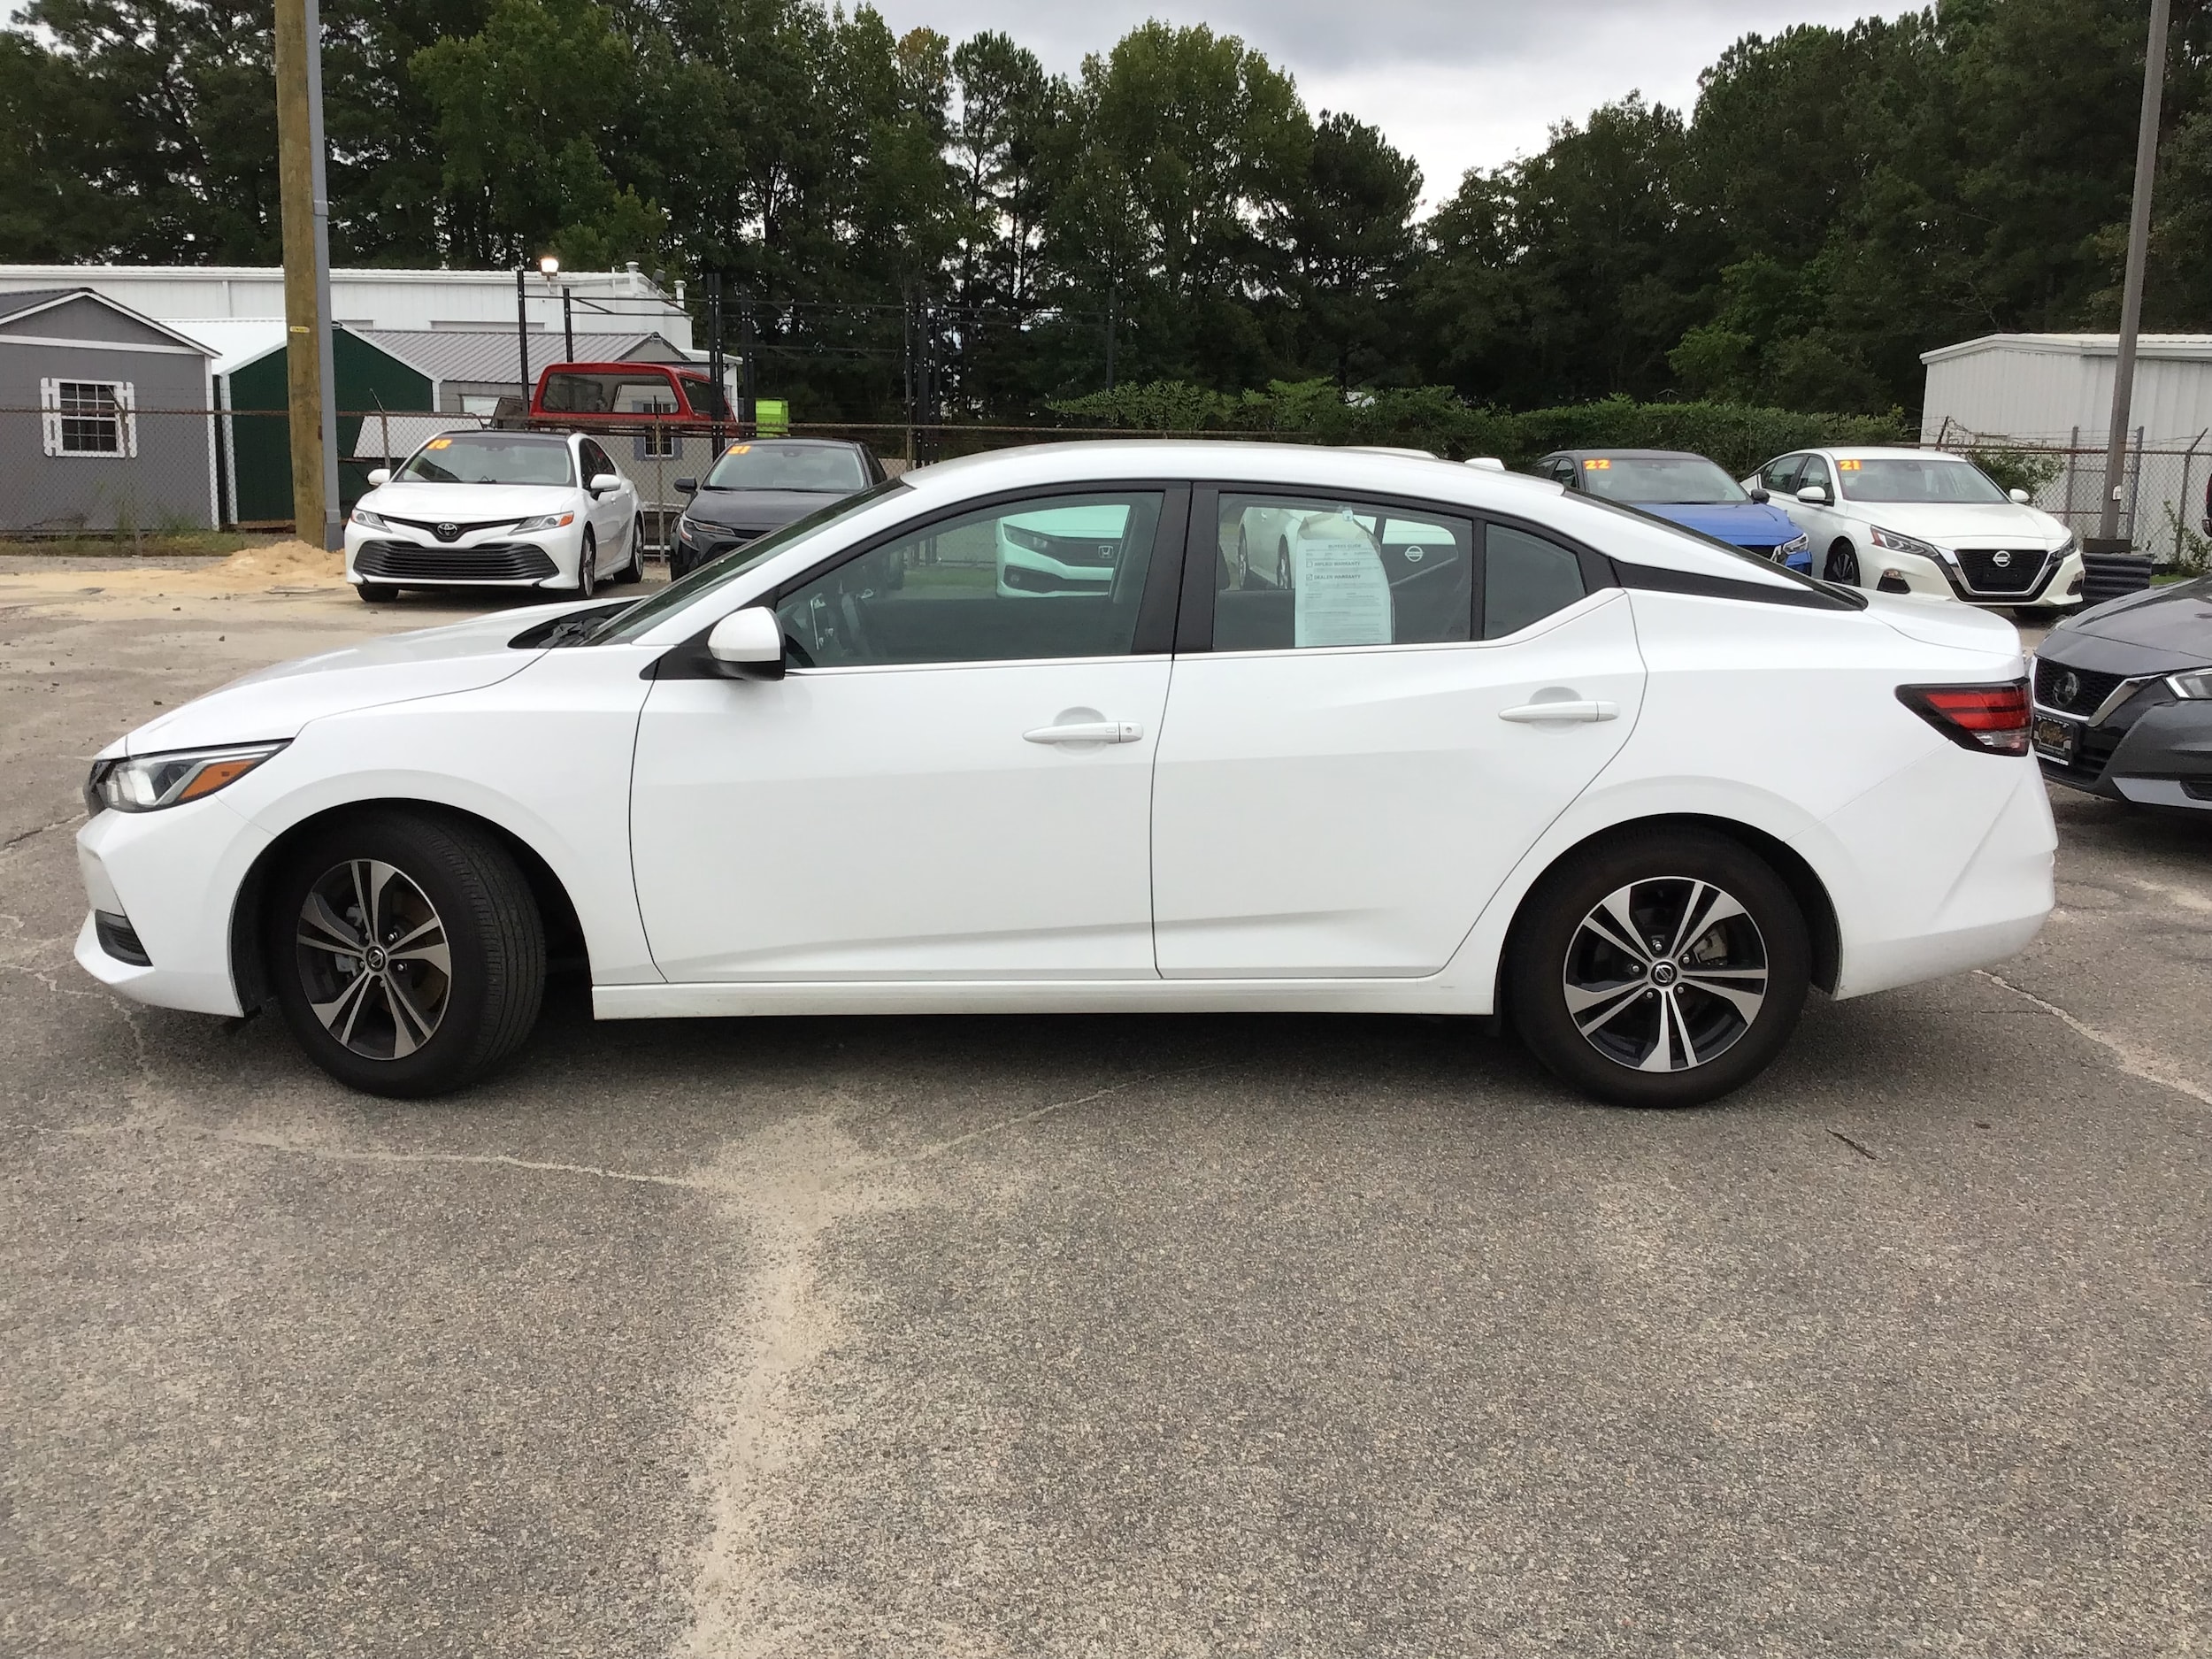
{"x":2165,"y":492}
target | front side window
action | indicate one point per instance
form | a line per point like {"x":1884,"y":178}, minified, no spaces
{"x":1781,"y":476}
{"x":1814,"y":476}
{"x":89,"y":417}
{"x":1921,"y":479}
{"x":490,"y":458}
{"x":1059,"y":576}
{"x":1524,"y":579}
{"x":595,"y":461}
{"x":1301,"y":572}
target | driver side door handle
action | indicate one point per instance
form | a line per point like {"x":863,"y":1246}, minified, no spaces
{"x":1087,"y":732}
{"x":1577,"y":711}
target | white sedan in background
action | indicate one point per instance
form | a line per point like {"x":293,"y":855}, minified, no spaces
{"x":1917,"y":521}
{"x":1632,"y":789}
{"x":497,"y":509}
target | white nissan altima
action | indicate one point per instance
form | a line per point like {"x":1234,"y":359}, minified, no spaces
{"x":497,"y":509}
{"x":1574,"y":765}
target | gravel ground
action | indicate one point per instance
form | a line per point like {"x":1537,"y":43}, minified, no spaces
{"x":1110,"y":1336}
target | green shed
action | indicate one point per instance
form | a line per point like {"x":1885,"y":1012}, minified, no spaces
{"x":252,"y":386}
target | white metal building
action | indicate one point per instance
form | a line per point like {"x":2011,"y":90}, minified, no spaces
{"x":2054,"y":392}
{"x":625,"y":301}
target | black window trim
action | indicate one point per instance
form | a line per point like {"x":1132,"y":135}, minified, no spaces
{"x":1156,"y":627}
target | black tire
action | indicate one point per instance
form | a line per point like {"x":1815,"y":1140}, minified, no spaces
{"x":1556,"y":953}
{"x":1284,"y":578}
{"x":376,"y":593}
{"x":1843,"y":564}
{"x":634,"y":570}
{"x":587,"y":567}
{"x":480,"y":909}
{"x":1244,"y":563}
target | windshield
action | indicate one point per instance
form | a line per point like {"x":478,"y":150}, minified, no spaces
{"x":490,"y":457}
{"x":1678,"y":479}
{"x":1922,"y":478}
{"x":819,"y":468}
{"x":629,"y":625}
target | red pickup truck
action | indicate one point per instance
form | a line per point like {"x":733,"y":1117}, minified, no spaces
{"x":658,"y":421}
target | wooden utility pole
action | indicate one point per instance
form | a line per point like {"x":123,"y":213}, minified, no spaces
{"x":2131,"y":283}
{"x":304,"y":196}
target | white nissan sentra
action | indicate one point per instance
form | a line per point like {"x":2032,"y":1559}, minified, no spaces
{"x":497,"y":509}
{"x":1630,"y":789}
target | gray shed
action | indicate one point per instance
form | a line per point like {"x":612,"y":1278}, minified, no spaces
{"x":105,"y":417}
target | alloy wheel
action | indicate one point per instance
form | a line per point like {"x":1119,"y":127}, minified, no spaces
{"x":373,"y":959}
{"x":1666,"y":974}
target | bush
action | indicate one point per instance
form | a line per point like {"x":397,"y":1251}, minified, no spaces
{"x":1739,"y":436}
{"x":2018,"y":469}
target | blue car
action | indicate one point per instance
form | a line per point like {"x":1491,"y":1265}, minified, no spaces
{"x":1688,"y":489}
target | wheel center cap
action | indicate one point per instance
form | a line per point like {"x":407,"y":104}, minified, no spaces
{"x":1664,"y":973}
{"x":373,"y":958}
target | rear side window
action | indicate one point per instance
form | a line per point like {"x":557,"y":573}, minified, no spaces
{"x":1298,"y":572}
{"x":1524,"y":579}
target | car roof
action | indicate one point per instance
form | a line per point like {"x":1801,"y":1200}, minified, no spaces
{"x":1631,"y":455}
{"x":510,"y":434}
{"x":1876,"y":452}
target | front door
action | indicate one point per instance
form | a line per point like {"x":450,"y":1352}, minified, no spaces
{"x":953,"y":781}
{"x":1355,"y":765}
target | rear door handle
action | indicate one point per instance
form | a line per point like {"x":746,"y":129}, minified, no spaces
{"x":1580,"y":710}
{"x":1087,"y":732}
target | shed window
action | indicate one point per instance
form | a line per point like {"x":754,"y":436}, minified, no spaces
{"x":94,"y":418}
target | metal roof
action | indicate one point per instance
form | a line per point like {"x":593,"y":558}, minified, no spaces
{"x":491,"y":355}
{"x":30,"y":302}
{"x":2186,"y":346}
{"x":31,"y":299}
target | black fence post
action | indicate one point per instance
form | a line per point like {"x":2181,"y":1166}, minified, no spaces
{"x":714,"y":360}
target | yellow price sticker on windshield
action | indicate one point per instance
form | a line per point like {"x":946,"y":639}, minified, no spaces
{"x":1597,"y":467}
{"x":1847,"y":466}
{"x":441,"y":443}
{"x":738,"y":448}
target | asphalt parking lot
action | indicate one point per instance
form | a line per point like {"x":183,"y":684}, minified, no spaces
{"x":1283,"y":1336}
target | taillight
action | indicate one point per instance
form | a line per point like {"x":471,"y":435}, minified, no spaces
{"x":1991,"y":719}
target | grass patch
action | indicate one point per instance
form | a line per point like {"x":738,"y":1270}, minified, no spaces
{"x":175,"y":544}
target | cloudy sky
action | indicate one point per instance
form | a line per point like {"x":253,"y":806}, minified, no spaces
{"x":1458,"y":83}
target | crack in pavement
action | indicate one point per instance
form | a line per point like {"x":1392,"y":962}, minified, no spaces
{"x":2136,"y":1061}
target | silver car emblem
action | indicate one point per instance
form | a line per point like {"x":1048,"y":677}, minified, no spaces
{"x":2001,"y":558}
{"x":1413,"y":556}
{"x":447,"y":532}
{"x":2069,"y":686}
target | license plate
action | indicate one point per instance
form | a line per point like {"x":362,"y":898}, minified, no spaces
{"x":2055,"y":740}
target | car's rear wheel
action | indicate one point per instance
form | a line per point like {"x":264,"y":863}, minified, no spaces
{"x":1662,"y":969}
{"x":1843,"y":564}
{"x":406,"y":950}
{"x":376,"y":593}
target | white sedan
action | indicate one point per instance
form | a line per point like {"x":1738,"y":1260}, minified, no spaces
{"x":497,"y":509}
{"x":1917,"y":521}
{"x":1633,"y":790}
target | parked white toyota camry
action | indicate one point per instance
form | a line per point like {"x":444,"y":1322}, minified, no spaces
{"x":497,"y":509}
{"x":1917,"y":521}
{"x":1634,"y":790}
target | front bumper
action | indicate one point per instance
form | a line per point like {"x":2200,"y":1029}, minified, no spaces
{"x":2142,"y":744}
{"x":2057,"y":586}
{"x":173,"y":877}
{"x":398,"y":559}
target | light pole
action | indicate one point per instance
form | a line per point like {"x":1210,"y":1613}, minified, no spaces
{"x":2131,"y":287}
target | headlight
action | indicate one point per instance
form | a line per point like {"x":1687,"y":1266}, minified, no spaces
{"x":1896,"y":543}
{"x":369,"y":520}
{"x":546,"y":521}
{"x":2071,"y":544}
{"x":1795,"y":544}
{"x":2196,"y":683}
{"x":144,"y":783}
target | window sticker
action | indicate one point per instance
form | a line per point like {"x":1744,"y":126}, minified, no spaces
{"x":1847,"y":466}
{"x":739,"y":448}
{"x":441,"y":443}
{"x":1596,"y":465}
{"x":1342,"y":593}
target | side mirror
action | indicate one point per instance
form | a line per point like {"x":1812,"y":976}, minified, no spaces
{"x":687,"y":487}
{"x":749,"y":643}
{"x":602,"y":482}
{"x":2021,"y":495}
{"x":1813,"y":496}
{"x":379,"y":476}
{"x":1758,"y":493}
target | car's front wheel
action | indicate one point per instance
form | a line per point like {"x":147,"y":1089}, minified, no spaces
{"x":587,"y":568}
{"x":406,"y":950}
{"x":1662,"y":969}
{"x":1843,"y":564}
{"x":634,"y":570}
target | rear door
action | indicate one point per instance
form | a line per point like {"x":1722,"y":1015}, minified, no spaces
{"x":1349,"y":769}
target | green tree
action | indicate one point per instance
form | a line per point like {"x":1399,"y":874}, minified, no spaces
{"x":1348,"y":234}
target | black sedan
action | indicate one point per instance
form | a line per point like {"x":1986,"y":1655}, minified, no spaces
{"x":2124,"y":698}
{"x":761,"y":486}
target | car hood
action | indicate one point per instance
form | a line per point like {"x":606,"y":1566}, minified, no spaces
{"x":2168,"y":627}
{"x":1738,"y":523}
{"x":468,"y":504}
{"x":277,"y":702}
{"x":756,"y":509}
{"x":1965,"y":524}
